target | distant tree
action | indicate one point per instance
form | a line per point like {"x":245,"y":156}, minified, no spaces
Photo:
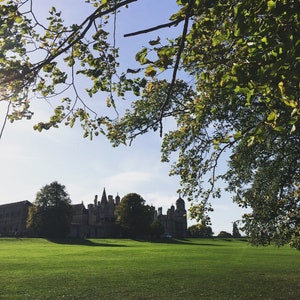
{"x":51,"y":214}
{"x":235,"y":230}
{"x":224,"y":234}
{"x":156,"y":229}
{"x":133,"y":216}
{"x":200,"y":230}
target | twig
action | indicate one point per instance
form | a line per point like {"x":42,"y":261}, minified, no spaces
{"x":5,"y":119}
{"x":173,"y":23}
{"x":180,"y":50}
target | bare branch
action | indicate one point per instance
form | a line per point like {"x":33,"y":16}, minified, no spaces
{"x":170,"y":24}
{"x":5,"y":119}
{"x":180,"y":50}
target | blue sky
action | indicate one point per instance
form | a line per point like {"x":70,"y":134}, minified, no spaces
{"x":29,"y":159}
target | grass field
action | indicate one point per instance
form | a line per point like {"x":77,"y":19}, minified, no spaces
{"x":127,"y":269}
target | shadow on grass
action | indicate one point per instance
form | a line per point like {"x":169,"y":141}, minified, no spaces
{"x":190,"y":242}
{"x":83,"y":242}
{"x":243,"y":239}
{"x":172,"y":241}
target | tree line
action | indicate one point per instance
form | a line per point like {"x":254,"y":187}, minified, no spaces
{"x":50,"y":216}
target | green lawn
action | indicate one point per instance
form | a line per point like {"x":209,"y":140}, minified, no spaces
{"x":126,"y":269}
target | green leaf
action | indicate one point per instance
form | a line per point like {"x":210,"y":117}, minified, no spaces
{"x":155,"y":42}
{"x":293,"y":128}
{"x":141,"y":56}
{"x":133,"y":71}
{"x":292,"y":103}
{"x":237,"y":135}
{"x":18,"y":19}
{"x":272,"y":116}
{"x":271,"y":4}
{"x":150,"y":71}
{"x":250,"y":141}
{"x":279,"y":128}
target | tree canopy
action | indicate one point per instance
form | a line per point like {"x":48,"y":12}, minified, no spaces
{"x":224,"y":234}
{"x":235,"y":230}
{"x":200,"y":231}
{"x":237,"y":94}
{"x":133,"y":216}
{"x":51,"y":214}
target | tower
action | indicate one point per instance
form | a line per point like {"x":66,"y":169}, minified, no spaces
{"x":118,"y":199}
{"x":180,"y":218}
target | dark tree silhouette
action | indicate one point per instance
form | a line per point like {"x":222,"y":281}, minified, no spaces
{"x":156,"y":229}
{"x":235,"y":230}
{"x":51,"y":214}
{"x":200,"y":231}
{"x":133,"y":216}
{"x":224,"y":234}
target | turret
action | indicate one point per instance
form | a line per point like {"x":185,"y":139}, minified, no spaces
{"x":180,"y":205}
{"x":110,"y":199}
{"x":95,"y":200}
{"x":159,"y":211}
{"x":118,"y":199}
{"x":90,"y":208}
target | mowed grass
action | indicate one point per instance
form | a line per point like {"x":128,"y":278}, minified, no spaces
{"x":127,"y":269}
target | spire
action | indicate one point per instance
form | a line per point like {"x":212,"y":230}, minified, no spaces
{"x":104,"y":198}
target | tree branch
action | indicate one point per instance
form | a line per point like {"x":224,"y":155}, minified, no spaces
{"x":89,"y":20}
{"x":86,"y":24}
{"x":180,"y":50}
{"x":173,"y":23}
{"x":5,"y":119}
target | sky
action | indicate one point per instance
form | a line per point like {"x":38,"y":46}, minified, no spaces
{"x":29,"y":159}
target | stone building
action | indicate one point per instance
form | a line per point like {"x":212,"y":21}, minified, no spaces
{"x":13,"y":218}
{"x":79,"y":225}
{"x":175,"y":221}
{"x":98,"y":220}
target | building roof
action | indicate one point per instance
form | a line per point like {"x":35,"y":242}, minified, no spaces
{"x":78,"y":208}
{"x":19,"y":203}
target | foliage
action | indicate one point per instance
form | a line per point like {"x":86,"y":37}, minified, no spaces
{"x":235,"y":230}
{"x":36,"y":269}
{"x":51,"y":214}
{"x":156,"y":229}
{"x":133,"y":216}
{"x":200,"y":231}
{"x":238,"y":96}
{"x":224,"y":234}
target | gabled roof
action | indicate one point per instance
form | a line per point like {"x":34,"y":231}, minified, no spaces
{"x":78,"y":208}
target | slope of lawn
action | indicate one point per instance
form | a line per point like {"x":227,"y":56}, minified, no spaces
{"x":127,"y":269}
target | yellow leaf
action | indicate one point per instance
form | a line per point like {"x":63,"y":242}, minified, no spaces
{"x":150,"y":71}
{"x":281,"y":87}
